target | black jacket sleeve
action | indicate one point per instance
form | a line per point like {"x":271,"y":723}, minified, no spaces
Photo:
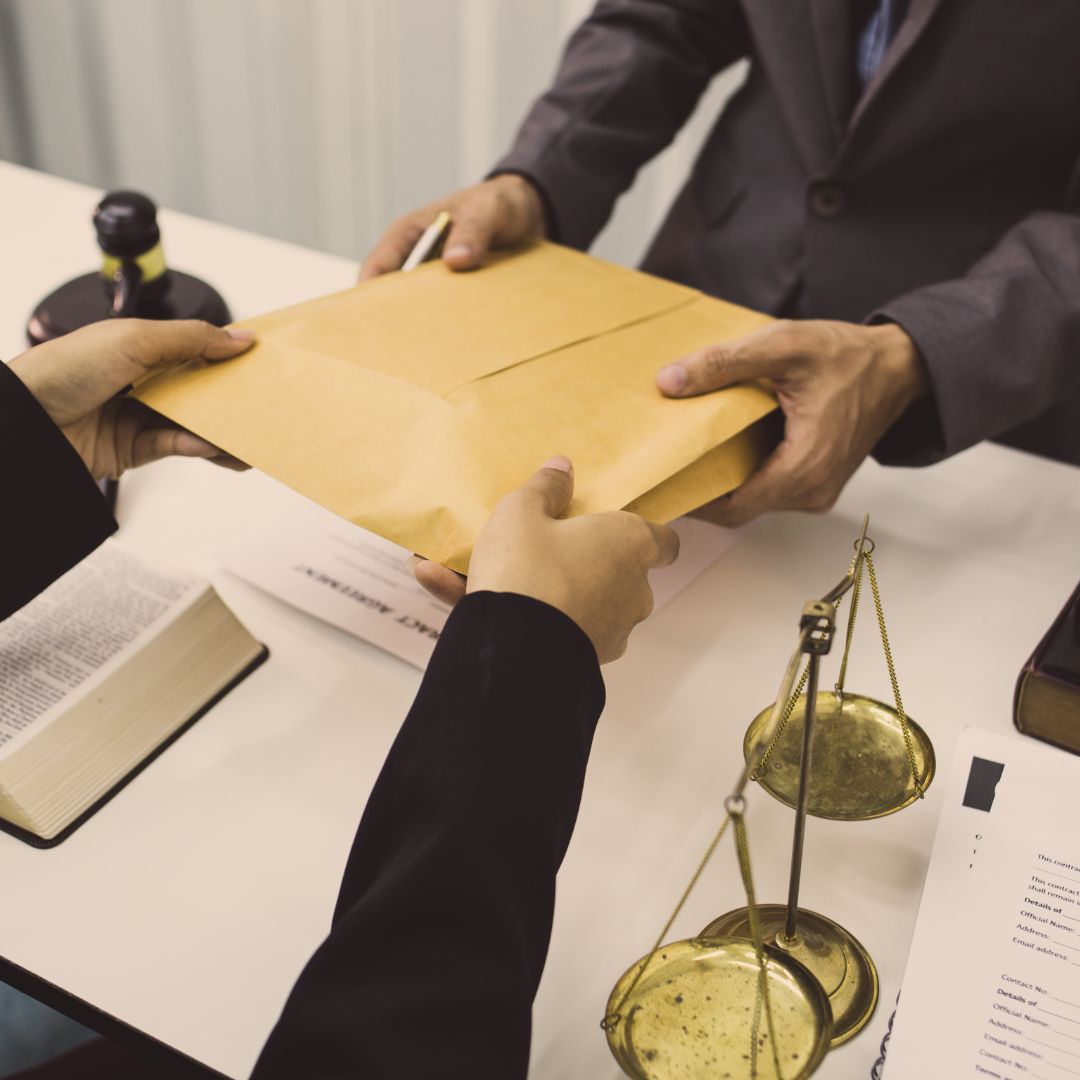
{"x":444,"y":915}
{"x":53,"y":515}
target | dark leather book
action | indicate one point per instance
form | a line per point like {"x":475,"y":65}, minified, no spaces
{"x":1047,"y":701}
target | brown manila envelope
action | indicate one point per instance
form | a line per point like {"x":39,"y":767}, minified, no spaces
{"x":411,"y":403}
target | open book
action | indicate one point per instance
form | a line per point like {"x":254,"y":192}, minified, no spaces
{"x":97,"y":676}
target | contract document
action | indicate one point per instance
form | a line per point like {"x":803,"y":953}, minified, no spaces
{"x":361,"y":583}
{"x":992,"y":985}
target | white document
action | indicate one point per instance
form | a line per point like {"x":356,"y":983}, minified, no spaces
{"x":360,"y":583}
{"x":347,"y":577}
{"x":992,"y":985}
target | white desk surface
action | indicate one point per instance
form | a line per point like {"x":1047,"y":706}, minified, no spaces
{"x":187,"y":906}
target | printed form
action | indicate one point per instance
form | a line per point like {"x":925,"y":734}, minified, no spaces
{"x":361,"y":583}
{"x":992,"y":985}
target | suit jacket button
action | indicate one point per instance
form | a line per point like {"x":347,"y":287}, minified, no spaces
{"x":827,"y":201}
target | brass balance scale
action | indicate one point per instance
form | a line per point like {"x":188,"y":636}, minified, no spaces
{"x":766,"y":990}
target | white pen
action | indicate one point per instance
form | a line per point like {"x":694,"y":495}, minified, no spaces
{"x":429,"y":240}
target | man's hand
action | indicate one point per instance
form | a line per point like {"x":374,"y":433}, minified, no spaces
{"x":498,"y":213}
{"x":593,"y":568}
{"x":76,"y":379}
{"x":840,"y":387}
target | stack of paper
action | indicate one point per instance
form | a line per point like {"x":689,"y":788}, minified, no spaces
{"x":992,"y":986}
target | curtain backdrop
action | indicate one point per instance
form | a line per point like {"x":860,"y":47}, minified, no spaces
{"x":316,"y":121}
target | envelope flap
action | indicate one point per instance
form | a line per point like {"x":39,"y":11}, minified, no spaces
{"x":376,"y":450}
{"x":439,"y":330}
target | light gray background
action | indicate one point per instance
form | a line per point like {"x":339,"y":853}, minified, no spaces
{"x":316,"y":121}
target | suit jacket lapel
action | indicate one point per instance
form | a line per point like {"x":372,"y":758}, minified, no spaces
{"x":911,"y":29}
{"x":834,"y":41}
{"x":807,"y":48}
{"x":784,"y":36}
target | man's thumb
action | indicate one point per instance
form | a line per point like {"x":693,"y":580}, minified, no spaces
{"x":552,"y":486}
{"x":759,"y":355}
{"x":468,"y":241}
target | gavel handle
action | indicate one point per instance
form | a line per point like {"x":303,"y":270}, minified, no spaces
{"x":127,"y":283}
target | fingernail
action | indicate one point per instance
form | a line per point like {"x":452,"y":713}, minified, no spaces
{"x":563,"y":464}
{"x":457,"y":252}
{"x":240,"y":333}
{"x":672,"y":379}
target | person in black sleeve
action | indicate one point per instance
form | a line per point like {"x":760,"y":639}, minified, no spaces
{"x":64,"y":424}
{"x":441,"y":928}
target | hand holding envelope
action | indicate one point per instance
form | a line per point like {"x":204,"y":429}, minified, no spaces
{"x":409,"y":404}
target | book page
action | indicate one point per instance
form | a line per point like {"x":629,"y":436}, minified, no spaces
{"x":362,"y":584}
{"x":992,"y":985}
{"x":77,"y":631}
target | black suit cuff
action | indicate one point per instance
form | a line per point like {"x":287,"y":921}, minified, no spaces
{"x":55,"y":515}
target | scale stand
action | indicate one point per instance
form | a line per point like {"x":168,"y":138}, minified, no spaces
{"x":763,"y":991}
{"x":836,"y":958}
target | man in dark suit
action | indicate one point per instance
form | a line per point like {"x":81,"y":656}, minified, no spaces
{"x":898,"y":179}
{"x":441,"y":928}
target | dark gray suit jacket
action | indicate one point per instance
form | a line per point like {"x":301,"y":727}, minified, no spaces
{"x":944,"y":198}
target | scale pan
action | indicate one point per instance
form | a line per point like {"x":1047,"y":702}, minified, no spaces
{"x":859,"y":769}
{"x":838,"y":961}
{"x":690,"y":1016}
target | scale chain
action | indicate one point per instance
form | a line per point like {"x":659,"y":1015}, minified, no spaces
{"x":761,"y":996}
{"x":892,"y":677}
{"x":849,"y":637}
{"x":736,"y":811}
{"x":612,"y":1019}
{"x":867,"y":557}
{"x":763,"y":764}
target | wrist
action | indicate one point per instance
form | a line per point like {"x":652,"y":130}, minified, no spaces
{"x":902,"y":364}
{"x":29,"y":374}
{"x":523,"y":192}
